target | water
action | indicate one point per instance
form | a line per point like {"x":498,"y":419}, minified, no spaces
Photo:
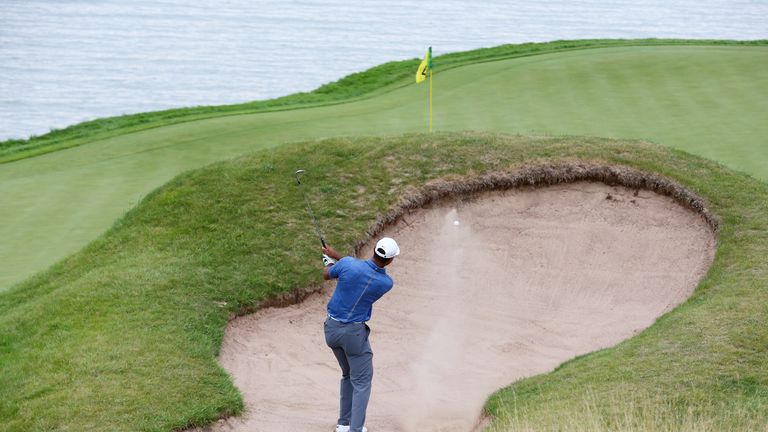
{"x":66,"y":61}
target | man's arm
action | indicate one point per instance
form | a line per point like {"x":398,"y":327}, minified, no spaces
{"x":327,"y":250}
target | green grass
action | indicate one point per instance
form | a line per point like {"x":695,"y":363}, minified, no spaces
{"x":629,"y":410}
{"x":706,"y":97}
{"x":122,"y":336}
{"x":369,"y":83}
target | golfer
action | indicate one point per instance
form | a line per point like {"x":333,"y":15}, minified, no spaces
{"x":361,"y":283}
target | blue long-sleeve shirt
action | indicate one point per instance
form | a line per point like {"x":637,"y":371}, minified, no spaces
{"x":361,"y":283}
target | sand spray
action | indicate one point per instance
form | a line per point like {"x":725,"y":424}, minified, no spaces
{"x":433,"y":405}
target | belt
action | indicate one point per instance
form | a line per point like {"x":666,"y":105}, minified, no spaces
{"x":345,"y":322}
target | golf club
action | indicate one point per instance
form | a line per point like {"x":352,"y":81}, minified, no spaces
{"x":309,"y":207}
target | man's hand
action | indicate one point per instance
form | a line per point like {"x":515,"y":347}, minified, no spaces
{"x":331,"y":253}
{"x":328,"y":261}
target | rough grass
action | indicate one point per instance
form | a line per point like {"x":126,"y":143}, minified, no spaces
{"x":644,"y":411}
{"x":358,"y":85}
{"x":123,"y":335}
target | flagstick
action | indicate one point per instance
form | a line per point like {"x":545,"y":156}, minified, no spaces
{"x":430,"y":100}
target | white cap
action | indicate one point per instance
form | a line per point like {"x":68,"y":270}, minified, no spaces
{"x":387,"y":248}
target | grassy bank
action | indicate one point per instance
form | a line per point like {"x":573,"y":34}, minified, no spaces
{"x":122,"y":336}
{"x":371,"y":82}
{"x":709,"y":100}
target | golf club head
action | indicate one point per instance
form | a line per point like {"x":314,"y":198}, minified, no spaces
{"x":297,"y":174}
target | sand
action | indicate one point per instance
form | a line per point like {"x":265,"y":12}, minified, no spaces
{"x":487,"y":291}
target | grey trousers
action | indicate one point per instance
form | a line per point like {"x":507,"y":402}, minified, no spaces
{"x":350,"y":345}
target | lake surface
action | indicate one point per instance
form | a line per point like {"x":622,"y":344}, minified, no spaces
{"x":66,"y":61}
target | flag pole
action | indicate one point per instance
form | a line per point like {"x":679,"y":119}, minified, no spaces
{"x":430,"y":101}
{"x":430,"y":89}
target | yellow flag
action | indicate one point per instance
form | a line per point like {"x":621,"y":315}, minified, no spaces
{"x":421,"y":72}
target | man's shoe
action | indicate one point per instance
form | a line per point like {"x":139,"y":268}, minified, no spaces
{"x":345,"y":428}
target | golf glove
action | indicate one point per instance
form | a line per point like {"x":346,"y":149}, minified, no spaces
{"x":328,"y":260}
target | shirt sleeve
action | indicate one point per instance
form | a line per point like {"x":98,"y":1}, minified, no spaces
{"x":335,"y":271}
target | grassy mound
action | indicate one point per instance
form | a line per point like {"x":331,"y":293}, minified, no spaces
{"x":707,"y":98}
{"x":123,"y":335}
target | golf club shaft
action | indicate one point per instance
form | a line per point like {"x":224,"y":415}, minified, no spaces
{"x":314,"y":220}
{"x":309,"y":208}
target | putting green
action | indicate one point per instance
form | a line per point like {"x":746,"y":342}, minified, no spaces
{"x":708,"y":100}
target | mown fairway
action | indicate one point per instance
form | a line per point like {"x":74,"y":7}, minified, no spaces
{"x":709,"y":100}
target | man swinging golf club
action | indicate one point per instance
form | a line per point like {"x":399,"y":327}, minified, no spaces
{"x":360,"y":284}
